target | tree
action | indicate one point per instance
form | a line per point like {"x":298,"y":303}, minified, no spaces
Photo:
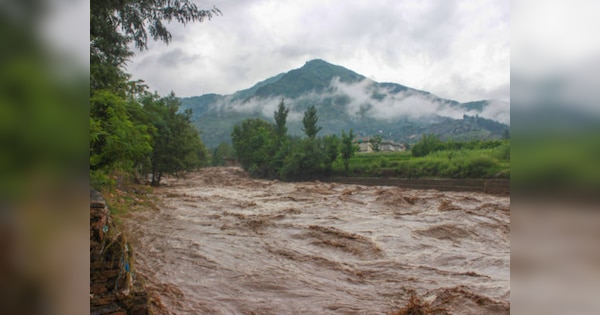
{"x":123,"y":135}
{"x":176,"y":142}
{"x":376,"y":142}
{"x":253,"y":140}
{"x":116,"y":142}
{"x":331,"y":147}
{"x":310,"y":122}
{"x":304,"y":161}
{"x":348,"y":149}
{"x":429,"y":143}
{"x":282,"y":143}
{"x":280,"y":119}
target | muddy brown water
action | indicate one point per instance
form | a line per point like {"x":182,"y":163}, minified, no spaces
{"x":220,"y":242}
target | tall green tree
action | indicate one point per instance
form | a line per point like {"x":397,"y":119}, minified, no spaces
{"x":331,"y":147}
{"x":282,"y":143}
{"x":310,"y":122}
{"x":116,"y":141}
{"x":347,"y":149}
{"x":176,"y":143}
{"x":280,"y":116}
{"x":123,"y":135}
{"x":254,"y":142}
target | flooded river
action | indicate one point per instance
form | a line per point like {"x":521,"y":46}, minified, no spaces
{"x":220,"y":242}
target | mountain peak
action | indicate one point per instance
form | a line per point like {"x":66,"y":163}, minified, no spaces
{"x":329,"y":70}
{"x":315,"y":75}
{"x":317,"y":62}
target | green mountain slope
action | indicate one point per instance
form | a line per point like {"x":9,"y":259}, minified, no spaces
{"x":347,"y":100}
{"x":315,"y":76}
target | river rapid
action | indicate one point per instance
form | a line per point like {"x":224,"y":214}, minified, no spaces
{"x":219,"y":242}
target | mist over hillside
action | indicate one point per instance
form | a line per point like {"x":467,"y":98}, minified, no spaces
{"x":347,"y":100}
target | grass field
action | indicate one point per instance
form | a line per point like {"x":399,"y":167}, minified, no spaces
{"x":455,"y":163}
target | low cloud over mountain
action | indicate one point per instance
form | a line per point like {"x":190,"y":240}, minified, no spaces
{"x":344,"y":100}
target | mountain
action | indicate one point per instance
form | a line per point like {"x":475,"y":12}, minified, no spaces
{"x":347,"y":100}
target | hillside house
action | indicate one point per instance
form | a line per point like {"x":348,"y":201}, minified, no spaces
{"x":364,"y":145}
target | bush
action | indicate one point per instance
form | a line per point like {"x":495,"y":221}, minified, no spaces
{"x":480,"y":167}
{"x":429,"y":143}
{"x":99,"y":180}
{"x":503,"y":152}
{"x":383,"y":163}
{"x":305,"y":161}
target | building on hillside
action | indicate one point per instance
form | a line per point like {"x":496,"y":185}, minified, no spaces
{"x":364,"y":145}
{"x":391,"y":146}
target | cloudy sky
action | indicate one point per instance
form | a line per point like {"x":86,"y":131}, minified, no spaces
{"x":454,"y":49}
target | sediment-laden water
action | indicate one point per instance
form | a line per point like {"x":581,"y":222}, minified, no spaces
{"x":220,"y":242}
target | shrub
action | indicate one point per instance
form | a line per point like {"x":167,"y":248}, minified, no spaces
{"x":480,"y":166}
{"x":429,"y":143}
{"x":99,"y":179}
{"x":383,"y":162}
{"x":503,"y":152}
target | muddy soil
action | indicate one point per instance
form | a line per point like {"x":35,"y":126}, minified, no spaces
{"x":223,"y":243}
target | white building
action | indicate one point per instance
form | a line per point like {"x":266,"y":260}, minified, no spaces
{"x":364,"y":145}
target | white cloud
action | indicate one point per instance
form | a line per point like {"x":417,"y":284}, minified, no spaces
{"x":455,"y":49}
{"x":497,"y":110}
{"x":556,"y":57}
{"x":395,"y":105}
{"x":390,"y":106}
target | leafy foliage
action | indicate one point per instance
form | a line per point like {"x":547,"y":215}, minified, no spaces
{"x":116,"y":140}
{"x":310,"y":122}
{"x":263,"y":155}
{"x":429,"y":143}
{"x":264,"y":151}
{"x":331,"y":147}
{"x":131,"y":130}
{"x":471,"y":160}
{"x":176,"y":143}
{"x":280,"y":119}
{"x":348,"y":148}
{"x":254,"y":140}
{"x":145,"y":136}
{"x":304,"y":161}
{"x":376,"y":142}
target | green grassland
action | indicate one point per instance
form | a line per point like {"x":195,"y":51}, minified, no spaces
{"x":479,"y":161}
